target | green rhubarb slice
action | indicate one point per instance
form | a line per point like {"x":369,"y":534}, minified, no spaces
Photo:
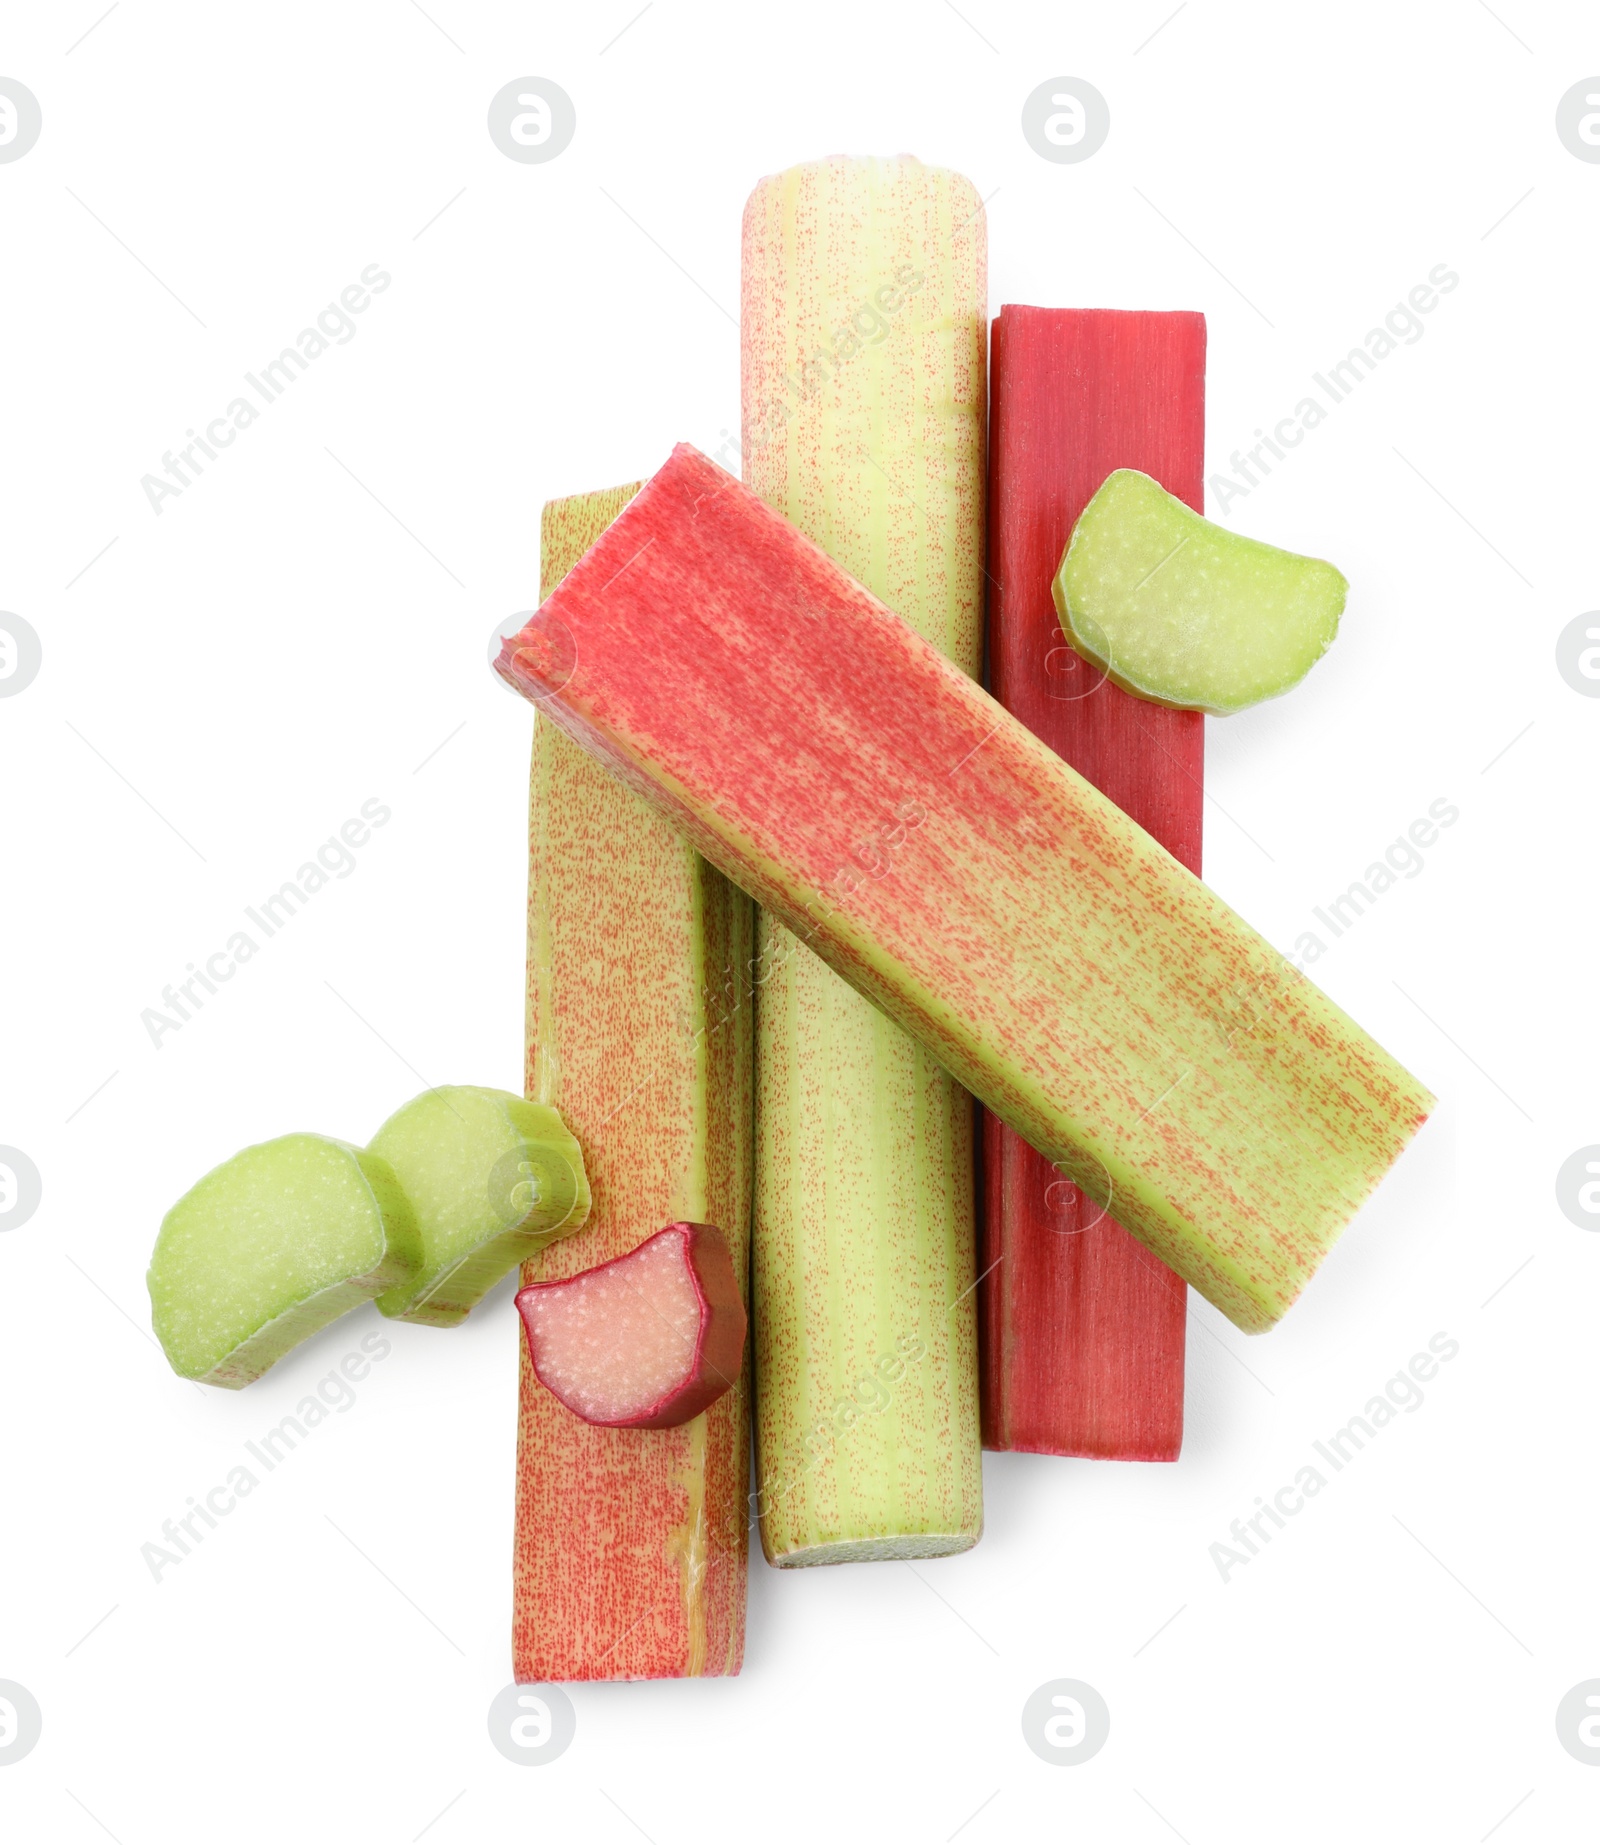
{"x":493,"y":1179}
{"x":1181,"y":611}
{"x":269,"y":1248}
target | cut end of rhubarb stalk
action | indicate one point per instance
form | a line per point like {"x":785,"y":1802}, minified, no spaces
{"x":269,"y":1248}
{"x":1186,"y":613}
{"x":493,"y":1179}
{"x":646,"y":1341}
{"x":904,"y":1548}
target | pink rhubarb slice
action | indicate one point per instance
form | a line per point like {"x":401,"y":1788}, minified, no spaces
{"x":644,"y":1341}
{"x":1087,"y":987}
{"x":1082,"y":1329}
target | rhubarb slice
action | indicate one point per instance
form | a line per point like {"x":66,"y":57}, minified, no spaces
{"x":1082,"y":1329}
{"x":270,"y":1247}
{"x":645,"y":1341}
{"x":1085,"y":985}
{"x":492,"y":1179}
{"x":631,"y":1545}
{"x":862,"y":334}
{"x":1186,"y":612}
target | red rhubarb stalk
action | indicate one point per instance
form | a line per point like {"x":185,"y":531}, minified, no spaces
{"x":1082,"y":1328}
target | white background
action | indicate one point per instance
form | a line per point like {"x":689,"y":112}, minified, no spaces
{"x":231,"y":679}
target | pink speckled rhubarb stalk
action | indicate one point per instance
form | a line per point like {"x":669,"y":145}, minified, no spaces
{"x":631,"y":1544}
{"x":1086,"y":986}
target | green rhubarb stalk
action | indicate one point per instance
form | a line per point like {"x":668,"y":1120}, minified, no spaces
{"x":863,"y":333}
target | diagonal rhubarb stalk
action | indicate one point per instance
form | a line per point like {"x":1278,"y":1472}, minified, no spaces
{"x":1083,"y":1330}
{"x":1079,"y":980}
{"x":862,"y":338}
{"x":631,"y":1544}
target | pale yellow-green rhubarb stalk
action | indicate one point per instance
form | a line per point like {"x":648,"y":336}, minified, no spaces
{"x":863,"y":336}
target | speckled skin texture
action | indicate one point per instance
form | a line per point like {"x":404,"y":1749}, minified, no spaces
{"x":865,"y":1189}
{"x":1082,"y":1329}
{"x":631,"y":1544}
{"x":1086,"y":986}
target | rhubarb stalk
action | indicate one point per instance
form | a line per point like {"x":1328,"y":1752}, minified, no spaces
{"x":1053,"y":957}
{"x":1082,"y":1329}
{"x":631,"y":1543}
{"x":862,"y":335}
